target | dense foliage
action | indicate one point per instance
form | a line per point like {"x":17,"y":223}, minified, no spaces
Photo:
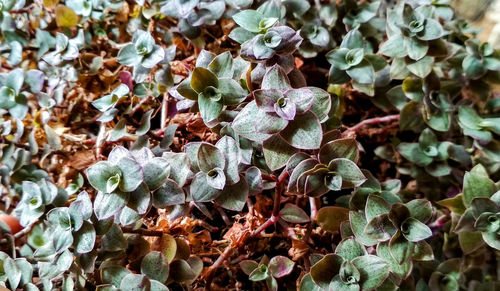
{"x":246,"y":144}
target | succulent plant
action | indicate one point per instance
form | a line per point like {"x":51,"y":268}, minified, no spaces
{"x":310,"y":145}
{"x":142,"y":54}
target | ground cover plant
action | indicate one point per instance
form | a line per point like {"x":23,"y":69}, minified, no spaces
{"x":247,"y":145}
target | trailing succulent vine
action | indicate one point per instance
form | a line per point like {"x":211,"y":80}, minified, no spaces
{"x":237,"y":145}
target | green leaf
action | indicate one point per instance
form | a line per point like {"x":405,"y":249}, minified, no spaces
{"x":400,"y":271}
{"x":337,"y":58}
{"x":353,"y":39}
{"x":114,"y":240}
{"x":362,"y":73}
{"x":416,"y":49}
{"x":200,"y":190}
{"x":181,"y":271}
{"x":26,"y":270}
{"x":414,"y":230}
{"x":358,"y":224}
{"x":84,"y":238}
{"x":145,"y":123}
{"x":470,"y":241}
{"x":454,"y":204}
{"x":400,"y":249}
{"x":293,"y":214}
{"x":398,"y":70}
{"x":423,"y":251}
{"x":322,"y":103}
{"x":432,"y":30}
{"x":413,"y":88}
{"x":397,"y":97}
{"x":179,"y":162}
{"x":168,"y":194}
{"x":477,"y":184}
{"x":156,"y":55}
{"x":269,"y":122}
{"x":340,"y":148}
{"x":203,"y":78}
{"x":157,"y":286}
{"x":473,"y":67}
{"x":119,"y":131}
{"x":168,"y":247}
{"x":7,"y":97}
{"x":132,"y":175}
{"x":232,"y":153}
{"x":209,"y":109}
{"x":99,"y":174}
{"x":349,"y":249}
{"x":254,"y":180}
{"x":275,"y":78}
{"x":420,"y":209}
{"x":62,"y":240}
{"x":280,"y":266}
{"x":249,"y":20}
{"x":319,"y":183}
{"x":112,"y":183}
{"x":135,"y":282}
{"x":156,"y":172}
{"x":380,"y":228}
{"x":324,"y":270}
{"x":304,"y":132}
{"x":413,"y":153}
{"x":373,"y":271}
{"x":240,"y":35}
{"x":15,"y":80}
{"x":272,"y":283}
{"x":244,"y":123}
{"x":248,"y":266}
{"x":307,"y":284}
{"x":222,"y":65}
{"x":209,"y":157}
{"x":52,"y":137}
{"x":12,"y":271}
{"x":128,"y":56}
{"x":107,"y":205}
{"x":234,"y":197}
{"x":155,"y":266}
{"x":422,"y":67}
{"x":349,"y":171}
{"x":329,"y":218}
{"x":277,"y":152}
{"x":338,"y":284}
{"x":410,"y":117}
{"x":492,"y":239}
{"x":394,"y":47}
{"x":375,"y":205}
{"x":113,"y":274}
{"x":481,"y":205}
{"x":302,"y":98}
{"x":260,"y":273}
{"x":231,"y":90}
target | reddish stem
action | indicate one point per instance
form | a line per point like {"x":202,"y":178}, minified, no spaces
{"x":276,"y":206}
{"x":375,"y":120}
{"x":271,"y":221}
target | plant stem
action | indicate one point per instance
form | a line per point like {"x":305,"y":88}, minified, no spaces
{"x":242,"y":240}
{"x":164,"y":111}
{"x":276,"y":206}
{"x":314,"y":208}
{"x":375,"y":120}
{"x":145,"y":232}
{"x":224,"y":256}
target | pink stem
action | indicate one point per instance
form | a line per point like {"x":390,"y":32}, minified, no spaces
{"x":375,"y":120}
